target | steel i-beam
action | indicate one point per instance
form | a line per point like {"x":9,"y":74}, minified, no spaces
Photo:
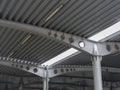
{"x":23,"y":65}
{"x":46,"y":80}
{"x":79,"y":43}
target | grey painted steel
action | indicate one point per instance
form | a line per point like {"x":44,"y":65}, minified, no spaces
{"x":52,"y":70}
{"x":18,"y":64}
{"x":21,"y":83}
{"x":64,"y":69}
{"x":105,"y":48}
{"x":96,"y":62}
{"x":46,"y":79}
{"x":46,"y":83}
{"x":97,"y":72}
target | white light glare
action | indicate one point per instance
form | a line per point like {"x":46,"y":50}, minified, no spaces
{"x":60,"y":56}
{"x":97,"y":37}
{"x":81,"y":44}
{"x":107,"y":32}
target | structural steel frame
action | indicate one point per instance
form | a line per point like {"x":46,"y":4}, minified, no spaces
{"x":95,"y":49}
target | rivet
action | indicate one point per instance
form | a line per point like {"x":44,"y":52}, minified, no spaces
{"x":71,"y":40}
{"x":117,"y":47}
{"x":55,"y":71}
{"x":74,"y":69}
{"x":27,"y":68}
{"x":21,"y":66}
{"x":35,"y":70}
{"x":108,"y":47}
{"x":62,"y":37}
{"x":67,"y":70}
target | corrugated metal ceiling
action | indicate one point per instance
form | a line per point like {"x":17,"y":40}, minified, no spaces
{"x":79,"y":17}
{"x":36,"y":49}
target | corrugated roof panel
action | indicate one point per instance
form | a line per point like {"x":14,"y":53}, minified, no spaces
{"x":79,"y":17}
{"x":36,"y":48}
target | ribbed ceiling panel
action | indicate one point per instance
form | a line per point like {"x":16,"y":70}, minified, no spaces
{"x":79,"y":17}
{"x":36,"y":49}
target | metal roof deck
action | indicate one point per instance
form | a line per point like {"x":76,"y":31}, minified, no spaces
{"x":78,"y":17}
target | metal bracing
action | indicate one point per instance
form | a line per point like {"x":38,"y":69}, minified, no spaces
{"x":105,"y":48}
{"x":22,"y":65}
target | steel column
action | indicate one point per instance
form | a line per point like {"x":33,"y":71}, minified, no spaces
{"x":96,"y":62}
{"x":46,"y":80}
{"x":21,"y":87}
{"x":21,"y":84}
{"x":46,"y":84}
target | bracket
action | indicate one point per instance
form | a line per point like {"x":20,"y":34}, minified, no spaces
{"x":79,"y":43}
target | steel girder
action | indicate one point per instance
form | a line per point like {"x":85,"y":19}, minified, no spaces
{"x":23,"y":65}
{"x":95,"y":49}
{"x":49,"y":71}
{"x":79,"y":43}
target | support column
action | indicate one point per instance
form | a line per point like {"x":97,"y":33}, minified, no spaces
{"x":20,"y":84}
{"x":6,"y":87}
{"x":96,"y":62}
{"x":45,"y":84}
{"x":46,"y":80}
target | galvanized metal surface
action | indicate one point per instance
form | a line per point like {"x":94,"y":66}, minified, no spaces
{"x":78,"y":17}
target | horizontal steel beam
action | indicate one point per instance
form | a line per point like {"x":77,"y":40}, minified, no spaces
{"x":52,"y":70}
{"x":79,"y":43}
{"x":65,"y":69}
{"x":21,"y":65}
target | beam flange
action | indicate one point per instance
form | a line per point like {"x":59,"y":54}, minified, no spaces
{"x":79,"y":43}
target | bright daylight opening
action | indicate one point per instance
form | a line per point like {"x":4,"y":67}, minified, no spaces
{"x":60,"y":56}
{"x":97,"y":37}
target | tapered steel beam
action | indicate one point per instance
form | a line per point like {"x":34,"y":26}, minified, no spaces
{"x":79,"y":43}
{"x":23,"y":65}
